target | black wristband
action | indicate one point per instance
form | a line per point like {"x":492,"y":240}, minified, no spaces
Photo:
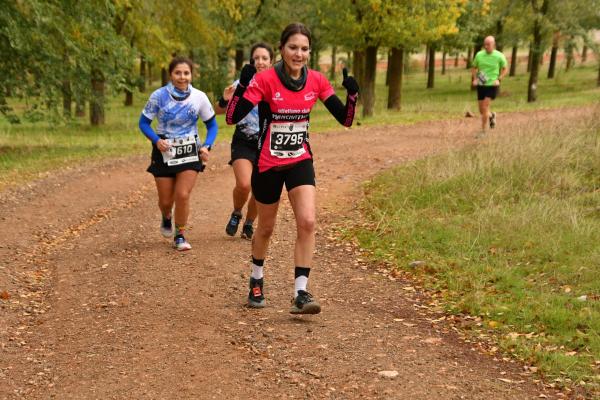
{"x":222,"y":102}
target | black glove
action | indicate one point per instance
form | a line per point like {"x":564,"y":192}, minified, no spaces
{"x":349,"y":83}
{"x":246,"y":74}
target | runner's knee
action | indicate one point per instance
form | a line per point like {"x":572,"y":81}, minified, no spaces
{"x":243,"y":187}
{"x":265,"y":231}
{"x":182,"y":196}
{"x":165,"y":203}
{"x":306,"y":224}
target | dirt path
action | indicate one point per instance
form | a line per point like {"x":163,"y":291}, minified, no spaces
{"x":100,"y":307}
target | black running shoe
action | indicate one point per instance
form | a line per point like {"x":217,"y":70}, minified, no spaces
{"x":166,"y":227}
{"x":247,"y":231}
{"x":256,"y":298}
{"x":492,"y":120}
{"x":304,"y":303}
{"x":232,"y":225}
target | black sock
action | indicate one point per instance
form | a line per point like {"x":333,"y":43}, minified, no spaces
{"x":258,"y":263}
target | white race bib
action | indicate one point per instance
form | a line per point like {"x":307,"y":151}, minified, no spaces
{"x":287,"y":139}
{"x":182,"y":151}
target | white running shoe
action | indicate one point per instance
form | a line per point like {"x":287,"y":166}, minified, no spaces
{"x":181,"y":244}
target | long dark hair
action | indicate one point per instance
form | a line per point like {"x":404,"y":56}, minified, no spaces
{"x":293,"y":29}
{"x":262,"y":45}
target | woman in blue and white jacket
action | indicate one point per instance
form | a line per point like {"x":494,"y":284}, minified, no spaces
{"x":177,"y":153}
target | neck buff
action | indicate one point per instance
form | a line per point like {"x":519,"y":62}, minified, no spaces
{"x":292,"y":84}
{"x":177,"y":94}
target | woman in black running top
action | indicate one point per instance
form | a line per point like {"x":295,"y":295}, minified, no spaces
{"x":244,"y":148}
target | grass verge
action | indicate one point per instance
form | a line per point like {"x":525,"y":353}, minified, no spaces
{"x":510,"y":231}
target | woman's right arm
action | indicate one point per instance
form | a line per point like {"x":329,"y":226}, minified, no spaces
{"x":150,"y":111}
{"x":221,"y":105}
{"x":147,"y":130}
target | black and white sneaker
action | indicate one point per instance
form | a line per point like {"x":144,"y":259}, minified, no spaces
{"x":304,"y":303}
{"x":247,"y":231}
{"x":256,"y":298}
{"x":232,"y":225}
{"x":492,"y":120}
{"x":166,"y":227}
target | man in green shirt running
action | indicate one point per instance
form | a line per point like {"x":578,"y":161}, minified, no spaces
{"x":489,"y":68}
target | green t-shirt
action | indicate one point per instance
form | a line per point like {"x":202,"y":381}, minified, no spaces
{"x":489,"y":66}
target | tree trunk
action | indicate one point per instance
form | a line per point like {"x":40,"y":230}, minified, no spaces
{"x":469,"y":57}
{"x":535,"y":54}
{"x":431,"y":69}
{"x":67,"y":97}
{"x":142,"y":74}
{"x":97,"y":99}
{"x":79,"y":107}
{"x":569,"y":48}
{"x":499,"y":30}
{"x":444,"y":62}
{"x":239,"y":59}
{"x":553,"y":54}
{"x":529,"y":57}
{"x":368,"y":91}
{"x":426,"y":62}
{"x":349,"y":61}
{"x":456,"y":59}
{"x":333,"y":63}
{"x":149,"y":74}
{"x":164,"y":76}
{"x":388,"y":70}
{"x":584,"y":51}
{"x":359,"y":67}
{"x":396,"y":67}
{"x":128,"y":98}
{"x":513,"y":61}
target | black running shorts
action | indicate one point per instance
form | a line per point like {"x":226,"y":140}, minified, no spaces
{"x":267,"y":186}
{"x":243,"y":149}
{"x":486,"y":91}
{"x":160,"y":169}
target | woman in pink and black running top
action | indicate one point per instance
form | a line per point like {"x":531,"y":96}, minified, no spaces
{"x":285,"y":96}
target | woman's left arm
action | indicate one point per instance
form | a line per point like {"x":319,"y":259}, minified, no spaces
{"x":211,"y":135}
{"x":344,"y":114}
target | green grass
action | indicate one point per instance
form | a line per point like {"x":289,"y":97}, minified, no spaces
{"x":510,"y":232}
{"x":30,"y":148}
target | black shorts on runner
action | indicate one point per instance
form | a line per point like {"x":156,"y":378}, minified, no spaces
{"x":160,"y":169}
{"x":487,"y":91}
{"x":267,"y":186}
{"x":243,"y":149}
